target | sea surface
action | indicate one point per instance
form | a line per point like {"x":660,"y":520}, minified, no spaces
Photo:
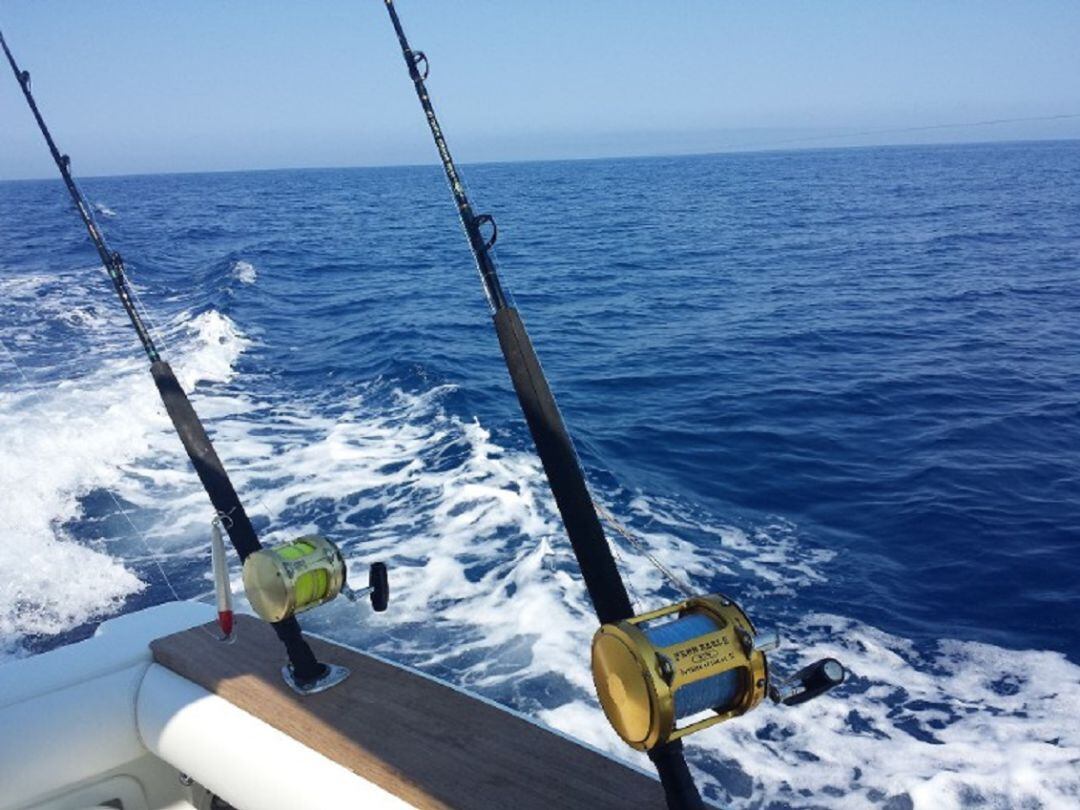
{"x":841,"y":386}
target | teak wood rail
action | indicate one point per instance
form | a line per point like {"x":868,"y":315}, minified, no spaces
{"x":427,"y":743}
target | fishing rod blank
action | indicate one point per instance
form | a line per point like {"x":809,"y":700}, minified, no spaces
{"x":215,"y":480}
{"x":553,"y":443}
{"x":552,"y":439}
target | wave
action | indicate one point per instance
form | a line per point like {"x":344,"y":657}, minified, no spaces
{"x":244,"y":272}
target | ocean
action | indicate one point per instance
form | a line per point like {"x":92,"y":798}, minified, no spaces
{"x":840,"y":386}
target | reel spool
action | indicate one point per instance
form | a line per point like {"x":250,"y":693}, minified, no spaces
{"x":290,"y":578}
{"x":651,"y":674}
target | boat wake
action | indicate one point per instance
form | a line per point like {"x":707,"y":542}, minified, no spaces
{"x":77,"y":438}
{"x":486,"y":594}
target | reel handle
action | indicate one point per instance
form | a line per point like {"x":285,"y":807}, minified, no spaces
{"x":378,"y":588}
{"x":809,"y":682}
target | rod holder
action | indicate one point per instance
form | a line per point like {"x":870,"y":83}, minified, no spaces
{"x":332,"y":676}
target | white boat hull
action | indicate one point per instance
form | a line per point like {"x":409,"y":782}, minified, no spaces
{"x":99,"y":724}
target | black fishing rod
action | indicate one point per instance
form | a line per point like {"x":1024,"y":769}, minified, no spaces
{"x":700,"y":661}
{"x":553,"y":444}
{"x":305,"y":668}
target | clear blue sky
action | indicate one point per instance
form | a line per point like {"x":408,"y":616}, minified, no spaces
{"x":208,"y":85}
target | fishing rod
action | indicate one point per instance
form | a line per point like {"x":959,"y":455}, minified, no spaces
{"x":652,"y":670}
{"x":311,"y":566}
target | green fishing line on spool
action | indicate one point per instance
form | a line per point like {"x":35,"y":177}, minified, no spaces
{"x":287,"y":579}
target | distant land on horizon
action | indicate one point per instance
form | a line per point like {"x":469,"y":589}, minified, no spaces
{"x":791,"y":144}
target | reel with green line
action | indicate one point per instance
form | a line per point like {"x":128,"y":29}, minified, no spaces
{"x":290,"y":578}
{"x":293,"y":577}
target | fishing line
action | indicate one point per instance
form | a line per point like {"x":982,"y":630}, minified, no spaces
{"x":154,"y":557}
{"x":39,"y":404}
{"x":142,"y":310}
{"x":464,"y":191}
{"x":635,"y":597}
{"x":638,"y":543}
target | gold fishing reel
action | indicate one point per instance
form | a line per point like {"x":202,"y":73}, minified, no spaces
{"x":702,"y":654}
{"x":290,"y":578}
{"x":697,"y":656}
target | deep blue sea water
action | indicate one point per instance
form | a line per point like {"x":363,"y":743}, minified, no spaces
{"x":839,"y":385}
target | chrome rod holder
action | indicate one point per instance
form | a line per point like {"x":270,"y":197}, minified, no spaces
{"x":332,"y":677}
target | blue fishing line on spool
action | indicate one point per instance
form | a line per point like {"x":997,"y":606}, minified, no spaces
{"x":718,"y":690}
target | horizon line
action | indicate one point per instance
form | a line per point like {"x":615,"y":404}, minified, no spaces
{"x":779,"y":146}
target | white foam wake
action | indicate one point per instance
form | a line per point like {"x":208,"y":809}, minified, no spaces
{"x":961,"y":725}
{"x":64,"y":439}
{"x":244,"y":272}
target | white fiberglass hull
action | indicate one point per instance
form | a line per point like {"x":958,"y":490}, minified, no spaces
{"x":99,"y":724}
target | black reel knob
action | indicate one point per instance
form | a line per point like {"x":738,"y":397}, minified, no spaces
{"x":379,"y":582}
{"x":809,"y":682}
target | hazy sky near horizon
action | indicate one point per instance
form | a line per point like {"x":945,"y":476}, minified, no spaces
{"x":132,"y":87}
